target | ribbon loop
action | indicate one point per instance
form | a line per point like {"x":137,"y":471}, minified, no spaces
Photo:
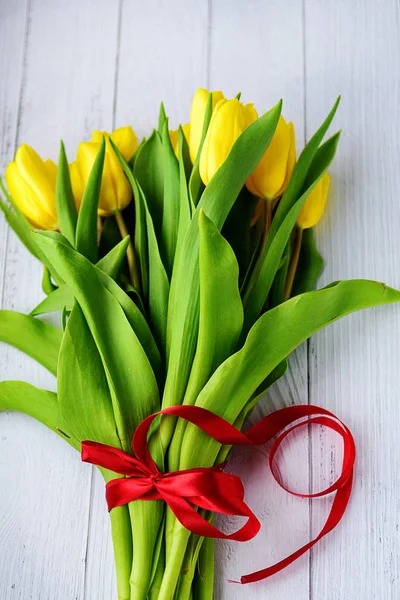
{"x":212,"y":489}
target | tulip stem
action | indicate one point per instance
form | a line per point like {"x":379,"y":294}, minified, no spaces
{"x":130,"y":254}
{"x":267,"y":221}
{"x":294,"y":261}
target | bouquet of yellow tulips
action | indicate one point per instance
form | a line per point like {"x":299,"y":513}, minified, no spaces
{"x":183,"y":269}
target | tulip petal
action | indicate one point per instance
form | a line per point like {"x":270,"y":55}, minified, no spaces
{"x":229,"y":119}
{"x":39,"y":177}
{"x":76,"y":183}
{"x":197,"y":114}
{"x":113,"y":169}
{"x":86,"y":155}
{"x":51,"y":170}
{"x":126,"y":141}
{"x":26,"y":200}
{"x":314,"y":206}
{"x":269,"y":176}
{"x":291,"y":159}
{"x":173,"y":136}
{"x":97,"y":136}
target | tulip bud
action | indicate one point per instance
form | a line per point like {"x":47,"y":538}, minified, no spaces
{"x":273,"y":172}
{"x":314,"y":206}
{"x":32,"y":185}
{"x":229,"y":119}
{"x":115,"y":193}
{"x":173,"y":135}
{"x":197,"y":114}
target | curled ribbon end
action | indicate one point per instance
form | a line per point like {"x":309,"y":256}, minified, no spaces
{"x":181,"y":489}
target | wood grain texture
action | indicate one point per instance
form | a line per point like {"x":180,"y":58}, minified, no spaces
{"x":68,"y":67}
{"x":65,"y":89}
{"x":354,"y":364}
{"x":240,"y":60}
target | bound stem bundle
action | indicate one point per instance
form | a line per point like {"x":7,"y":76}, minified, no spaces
{"x":201,"y":304}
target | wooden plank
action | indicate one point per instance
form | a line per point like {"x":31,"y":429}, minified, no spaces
{"x":67,"y":89}
{"x":256,"y":51}
{"x":354,"y":49}
{"x":13,"y":23}
{"x":163,"y":56}
{"x":147,"y":72}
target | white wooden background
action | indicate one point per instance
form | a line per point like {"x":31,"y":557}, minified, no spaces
{"x":68,"y":66}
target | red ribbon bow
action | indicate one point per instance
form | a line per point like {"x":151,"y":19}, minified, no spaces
{"x":211,"y":488}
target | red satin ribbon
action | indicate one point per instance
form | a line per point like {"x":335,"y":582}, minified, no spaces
{"x":211,"y":488}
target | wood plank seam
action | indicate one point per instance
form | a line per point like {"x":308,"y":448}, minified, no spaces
{"x":117,"y":58}
{"x":208,"y":45}
{"x":114,"y":110}
{"x":308,"y":350}
{"x":17,"y":128}
{"x":89,"y":521}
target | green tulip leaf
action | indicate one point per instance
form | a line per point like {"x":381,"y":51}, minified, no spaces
{"x":37,"y":339}
{"x":67,"y":214}
{"x":87,"y":388}
{"x":42,"y":405}
{"x":296,"y":184}
{"x":221,"y":310}
{"x":263,"y":275}
{"x":170,"y":217}
{"x":86,"y":229}
{"x":162,"y":118}
{"x":275,"y":335}
{"x":310,"y":265}
{"x":220,"y":323}
{"x":196,"y":186}
{"x":48,"y":286}
{"x":135,"y":318}
{"x":131,"y":162}
{"x":22,"y":228}
{"x":237,"y":230}
{"x":277,"y":293}
{"x":63,"y":297}
{"x":106,"y":269}
{"x":110,"y":235}
{"x":140,"y":241}
{"x":149,"y":172}
{"x":186,"y":208}
{"x":268,"y":382}
{"x":216,"y":201}
{"x":158,"y":281}
{"x":130,"y":378}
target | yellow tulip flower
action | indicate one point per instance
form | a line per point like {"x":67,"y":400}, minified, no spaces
{"x":197,"y":114}
{"x":76,"y":183}
{"x":115,"y":192}
{"x":275,"y":168}
{"x":32,"y":184}
{"x":173,"y":136}
{"x":314,"y":206}
{"x":124,"y":138}
{"x":229,"y":119}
